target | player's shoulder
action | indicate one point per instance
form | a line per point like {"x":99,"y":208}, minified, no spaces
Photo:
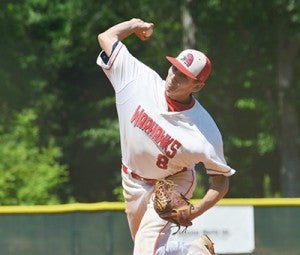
{"x":202,"y":117}
{"x":201,"y":111}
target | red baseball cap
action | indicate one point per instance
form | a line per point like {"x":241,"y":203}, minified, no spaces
{"x":193,"y":64}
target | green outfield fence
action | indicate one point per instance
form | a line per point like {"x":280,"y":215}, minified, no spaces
{"x":101,"y":228}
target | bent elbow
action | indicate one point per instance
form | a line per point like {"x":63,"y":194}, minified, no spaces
{"x":220,"y":183}
{"x":225,"y":186}
{"x":100,"y":38}
{"x":105,"y":42}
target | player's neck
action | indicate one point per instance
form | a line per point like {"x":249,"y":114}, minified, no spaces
{"x":175,"y":106}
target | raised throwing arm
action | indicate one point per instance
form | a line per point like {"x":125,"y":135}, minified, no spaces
{"x":122,"y":30}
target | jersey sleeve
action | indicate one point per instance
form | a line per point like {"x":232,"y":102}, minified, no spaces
{"x":120,"y":67}
{"x":215,"y":162}
{"x":217,"y":168}
{"x":211,"y":143}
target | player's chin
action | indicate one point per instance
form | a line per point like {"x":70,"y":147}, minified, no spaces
{"x":170,"y":93}
{"x":170,"y":88}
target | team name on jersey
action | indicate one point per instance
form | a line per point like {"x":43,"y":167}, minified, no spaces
{"x":144,"y":122}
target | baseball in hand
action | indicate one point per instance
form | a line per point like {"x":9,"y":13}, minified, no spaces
{"x":148,"y":32}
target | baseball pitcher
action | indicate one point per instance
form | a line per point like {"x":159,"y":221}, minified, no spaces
{"x":164,"y":133}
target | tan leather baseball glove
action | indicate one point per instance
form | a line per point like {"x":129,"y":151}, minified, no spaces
{"x":170,"y":204}
{"x":205,"y":240}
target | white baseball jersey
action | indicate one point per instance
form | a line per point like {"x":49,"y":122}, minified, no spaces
{"x":156,"y":143}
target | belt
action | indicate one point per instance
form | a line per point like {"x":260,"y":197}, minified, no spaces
{"x":137,"y":177}
{"x":142,"y":179}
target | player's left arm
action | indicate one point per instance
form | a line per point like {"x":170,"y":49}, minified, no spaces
{"x":218,"y":187}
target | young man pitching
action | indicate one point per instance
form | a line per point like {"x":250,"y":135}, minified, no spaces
{"x":164,"y":133}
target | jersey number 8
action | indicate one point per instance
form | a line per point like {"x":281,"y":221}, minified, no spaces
{"x":162,"y":161}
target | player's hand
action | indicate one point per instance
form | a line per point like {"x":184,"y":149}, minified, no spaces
{"x":170,"y":204}
{"x":144,"y":30}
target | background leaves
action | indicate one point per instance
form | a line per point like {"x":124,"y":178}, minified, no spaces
{"x":57,"y":112}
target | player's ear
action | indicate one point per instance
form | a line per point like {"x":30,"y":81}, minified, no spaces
{"x":198,"y":85}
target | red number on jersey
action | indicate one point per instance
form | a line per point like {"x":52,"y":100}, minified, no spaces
{"x":162,"y":161}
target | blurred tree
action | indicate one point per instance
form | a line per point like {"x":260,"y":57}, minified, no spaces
{"x":47,"y":63}
{"x":287,"y":80}
{"x":253,"y":46}
{"x":29,"y":174}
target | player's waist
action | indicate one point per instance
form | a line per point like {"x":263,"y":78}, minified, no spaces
{"x":147,"y":181}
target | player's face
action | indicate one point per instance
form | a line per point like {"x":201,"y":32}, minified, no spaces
{"x":178,"y":86}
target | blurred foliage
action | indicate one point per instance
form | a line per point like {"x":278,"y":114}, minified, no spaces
{"x":48,"y":51}
{"x":29,"y":174}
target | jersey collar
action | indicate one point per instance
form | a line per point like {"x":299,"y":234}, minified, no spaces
{"x":174,"y":106}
